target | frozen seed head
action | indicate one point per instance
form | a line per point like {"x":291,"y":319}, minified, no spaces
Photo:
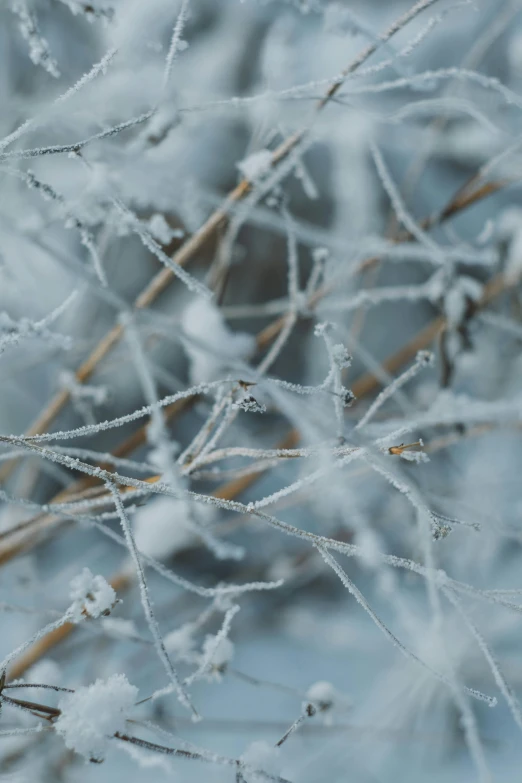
{"x":323,"y":328}
{"x":340,"y":356}
{"x":347,"y":397}
{"x":320,"y":255}
{"x":440,"y":531}
{"x":249,"y":404}
{"x":92,"y":715}
{"x":322,"y":695}
{"x":92,"y":596}
{"x":425,"y":358}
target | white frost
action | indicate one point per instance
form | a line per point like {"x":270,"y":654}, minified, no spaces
{"x":163,"y":527}
{"x":92,"y":715}
{"x":91,"y":596}
{"x":322,"y":694}
{"x":256,"y":165}
{"x":180,"y":642}
{"x":215,"y":345}
{"x":223,"y":653}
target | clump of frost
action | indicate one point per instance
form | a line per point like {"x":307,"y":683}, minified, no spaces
{"x":340,"y":356}
{"x":92,"y":715}
{"x":327,"y":700}
{"x":92,"y":596}
{"x":256,"y":165}
{"x":322,"y":694}
{"x":215,"y":345}
{"x":221,"y":656}
{"x":163,"y":527}
{"x":180,"y":642}
{"x":249,"y":404}
{"x":320,"y":255}
{"x":425,"y":358}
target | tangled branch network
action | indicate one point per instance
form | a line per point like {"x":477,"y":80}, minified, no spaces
{"x":261,"y":391}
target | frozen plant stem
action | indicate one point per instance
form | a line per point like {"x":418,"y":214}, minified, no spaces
{"x":147,"y":606}
{"x":308,"y":712}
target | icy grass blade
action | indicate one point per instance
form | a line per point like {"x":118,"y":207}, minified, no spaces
{"x":97,"y":69}
{"x":503,"y":686}
{"x":36,"y":328}
{"x":77,"y":146}
{"x":175,"y":42}
{"x":36,"y":637}
{"x":92,"y":429}
{"x":424,"y":359}
{"x":347,"y":582}
{"x":147,"y":605}
{"x":150,"y":243}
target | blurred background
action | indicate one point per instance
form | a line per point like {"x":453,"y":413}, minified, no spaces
{"x":355,"y":211}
